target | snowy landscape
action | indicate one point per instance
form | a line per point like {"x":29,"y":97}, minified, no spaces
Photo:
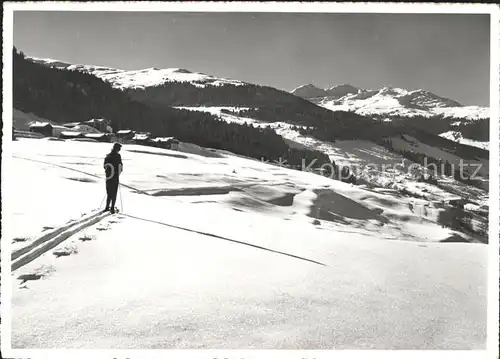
{"x":248,"y":216}
{"x":193,"y":222}
{"x":183,"y":251}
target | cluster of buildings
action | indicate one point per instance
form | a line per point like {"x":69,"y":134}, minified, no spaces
{"x":99,"y":130}
{"x":95,"y":129}
{"x":145,"y":138}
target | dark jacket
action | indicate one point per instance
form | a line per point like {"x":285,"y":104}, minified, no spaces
{"x":113,"y":166}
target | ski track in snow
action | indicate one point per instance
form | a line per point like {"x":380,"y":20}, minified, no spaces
{"x":230,"y":252}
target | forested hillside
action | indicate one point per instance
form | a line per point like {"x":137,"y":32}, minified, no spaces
{"x":265,"y":104}
{"x":69,"y":96}
{"x":477,"y":130}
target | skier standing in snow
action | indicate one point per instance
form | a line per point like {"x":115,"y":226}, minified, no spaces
{"x":113,"y":166}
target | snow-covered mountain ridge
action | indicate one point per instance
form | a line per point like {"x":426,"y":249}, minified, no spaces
{"x":133,"y":79}
{"x":383,"y":102}
{"x":185,"y":88}
{"x":389,"y":102}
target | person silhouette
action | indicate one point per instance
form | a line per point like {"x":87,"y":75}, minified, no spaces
{"x":113,"y":167}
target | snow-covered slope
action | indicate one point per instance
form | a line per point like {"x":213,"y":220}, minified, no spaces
{"x":391,"y":102}
{"x":142,"y":78}
{"x":457,"y":137}
{"x":391,"y":171}
{"x":464,"y":112}
{"x":219,"y":251}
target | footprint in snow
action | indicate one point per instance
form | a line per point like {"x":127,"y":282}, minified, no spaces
{"x":66,"y":251}
{"x":86,"y":238}
{"x":37,"y":274}
{"x":27,"y":277}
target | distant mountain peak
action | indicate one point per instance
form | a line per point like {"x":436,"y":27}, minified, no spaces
{"x":342,"y":86}
{"x":183,"y":71}
{"x":306,"y":86}
{"x":386,"y":100}
{"x":50,"y":62}
{"x":309,"y":91}
{"x":431,"y":100}
{"x":338,"y":91}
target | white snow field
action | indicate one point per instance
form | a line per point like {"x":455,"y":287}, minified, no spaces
{"x":390,"y":106}
{"x":218,"y":251}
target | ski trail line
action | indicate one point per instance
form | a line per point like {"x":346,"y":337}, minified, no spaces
{"x":48,"y":241}
{"x":224,"y":238}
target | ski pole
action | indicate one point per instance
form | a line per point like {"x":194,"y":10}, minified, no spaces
{"x":121,"y":198}
{"x":103,"y":198}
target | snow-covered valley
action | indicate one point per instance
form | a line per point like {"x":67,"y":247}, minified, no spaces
{"x":371,"y":162}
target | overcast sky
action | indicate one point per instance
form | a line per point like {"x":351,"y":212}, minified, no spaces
{"x":445,"y":54}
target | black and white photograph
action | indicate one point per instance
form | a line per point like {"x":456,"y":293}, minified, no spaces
{"x":231,"y":176}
